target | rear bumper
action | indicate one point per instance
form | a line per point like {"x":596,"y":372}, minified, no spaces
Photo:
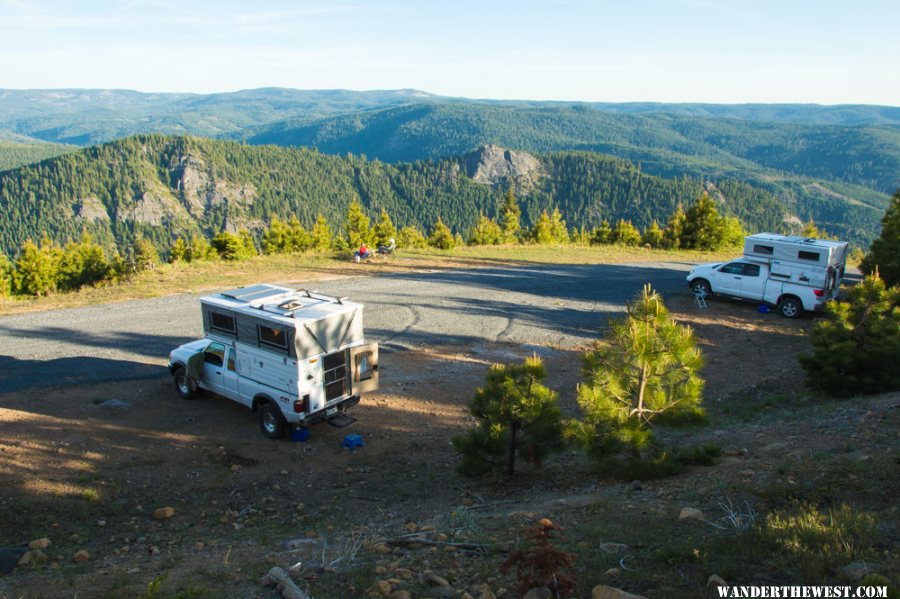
{"x":330,"y":411}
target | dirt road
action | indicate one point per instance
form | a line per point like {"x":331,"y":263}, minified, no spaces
{"x":556,"y":305}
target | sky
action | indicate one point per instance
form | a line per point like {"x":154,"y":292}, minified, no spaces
{"x":720,"y":51}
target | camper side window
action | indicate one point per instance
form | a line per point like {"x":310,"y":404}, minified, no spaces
{"x":274,"y":337}
{"x":766,"y":250}
{"x":223,"y":323}
{"x":811,"y":256}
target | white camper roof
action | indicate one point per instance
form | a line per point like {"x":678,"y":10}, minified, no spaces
{"x":293,"y":307}
{"x":797,"y":239}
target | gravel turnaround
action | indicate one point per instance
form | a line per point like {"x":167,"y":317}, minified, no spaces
{"x":540,"y":305}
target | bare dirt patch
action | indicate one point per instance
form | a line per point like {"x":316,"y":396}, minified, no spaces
{"x":88,"y":473}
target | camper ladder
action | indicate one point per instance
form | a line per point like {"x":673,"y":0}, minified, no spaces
{"x":700,"y":296}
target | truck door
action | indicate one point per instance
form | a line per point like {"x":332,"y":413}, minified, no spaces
{"x":364,"y":369}
{"x":728,"y":279}
{"x":753,"y":283}
{"x":230,"y":375}
{"x":213,"y":366}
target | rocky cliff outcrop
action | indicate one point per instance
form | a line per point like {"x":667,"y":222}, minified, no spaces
{"x":492,"y":164}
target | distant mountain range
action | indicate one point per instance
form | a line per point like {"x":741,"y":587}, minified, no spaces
{"x":837,"y":164}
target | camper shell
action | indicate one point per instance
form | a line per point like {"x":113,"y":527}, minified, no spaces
{"x":300,"y":351}
{"x":794,"y":274}
{"x":802,"y":260}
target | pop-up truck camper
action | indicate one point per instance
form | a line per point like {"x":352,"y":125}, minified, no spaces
{"x":294,"y":357}
{"x":794,"y":274}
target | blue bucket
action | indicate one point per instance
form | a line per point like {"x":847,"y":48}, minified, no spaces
{"x":763,"y":309}
{"x":300,"y":434}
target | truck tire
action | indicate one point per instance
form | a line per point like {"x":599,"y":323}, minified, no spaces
{"x":271,"y":422}
{"x":790,"y":307}
{"x":183,"y":385}
{"x":701,"y":286}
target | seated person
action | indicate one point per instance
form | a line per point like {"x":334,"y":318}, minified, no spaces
{"x":362,"y":253}
{"x":389,"y":248}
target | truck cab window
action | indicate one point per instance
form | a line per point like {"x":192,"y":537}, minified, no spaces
{"x":751,"y":270}
{"x":214,"y":354}
{"x":734,"y":268}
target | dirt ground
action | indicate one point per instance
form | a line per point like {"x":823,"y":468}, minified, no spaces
{"x":87,"y":467}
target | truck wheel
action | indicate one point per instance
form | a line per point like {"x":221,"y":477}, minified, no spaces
{"x":183,"y":385}
{"x":790,"y":307}
{"x":271,"y":422}
{"x":701,"y":287}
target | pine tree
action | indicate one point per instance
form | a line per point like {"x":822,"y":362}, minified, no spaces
{"x":703,"y":228}
{"x":356,"y":225}
{"x":602,"y":235}
{"x":810,"y":231}
{"x":558,"y":227}
{"x":884,"y":254}
{"x":674,"y":233}
{"x":510,"y":213}
{"x":35,"y":269}
{"x":145,"y":255}
{"x":542,"y":231}
{"x":179,"y":251}
{"x":7,"y":272}
{"x":82,"y":263}
{"x":647,"y":366}
{"x":485,"y":232}
{"x":384,"y":230}
{"x":275,"y":237}
{"x":856,"y":348}
{"x":411,"y":237}
{"x":653,"y":235}
{"x":517,"y":416}
{"x":441,"y":237}
{"x":626,"y":233}
{"x":321,"y":235}
{"x":234,"y":247}
{"x":201,"y":249}
{"x":297,"y":238}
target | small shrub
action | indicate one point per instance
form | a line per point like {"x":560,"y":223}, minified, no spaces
{"x":441,"y":237}
{"x":541,"y":563}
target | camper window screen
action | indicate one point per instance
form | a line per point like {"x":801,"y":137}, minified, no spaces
{"x":221,"y":322}
{"x":273,"y":337}
{"x":810,"y":256}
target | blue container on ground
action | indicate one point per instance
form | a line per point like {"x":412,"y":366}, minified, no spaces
{"x":300,"y":434}
{"x":762,"y":309}
{"x":353,"y":441}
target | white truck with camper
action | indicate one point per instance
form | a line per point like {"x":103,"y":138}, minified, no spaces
{"x":293,"y":356}
{"x":794,"y":274}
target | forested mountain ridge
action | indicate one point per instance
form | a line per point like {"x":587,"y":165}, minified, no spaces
{"x":663,"y":143}
{"x":163,"y":187}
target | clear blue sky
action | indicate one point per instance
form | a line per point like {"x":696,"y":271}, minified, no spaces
{"x":729,"y":51}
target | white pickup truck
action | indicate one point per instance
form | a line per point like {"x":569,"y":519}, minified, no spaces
{"x":743,"y":279}
{"x":792,"y":273}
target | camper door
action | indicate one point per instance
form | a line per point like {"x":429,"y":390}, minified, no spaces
{"x":364,"y":368}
